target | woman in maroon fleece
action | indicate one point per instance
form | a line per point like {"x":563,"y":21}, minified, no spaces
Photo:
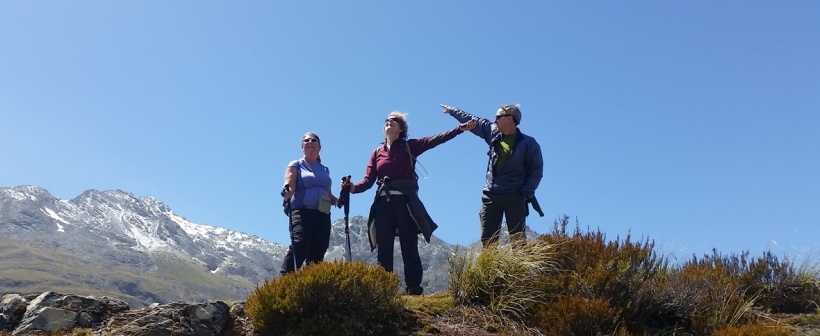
{"x":397,"y":209}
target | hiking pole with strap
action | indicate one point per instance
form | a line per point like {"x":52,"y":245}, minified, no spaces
{"x":286,"y":205}
{"x":344,"y":202}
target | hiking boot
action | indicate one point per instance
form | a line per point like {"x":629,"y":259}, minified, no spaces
{"x":414,"y":290}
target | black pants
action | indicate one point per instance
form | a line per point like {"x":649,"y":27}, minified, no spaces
{"x":309,"y":238}
{"x":392,"y":216}
{"x":493,"y":207}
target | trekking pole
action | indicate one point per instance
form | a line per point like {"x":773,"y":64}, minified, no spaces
{"x":344,"y":201}
{"x":286,"y":205}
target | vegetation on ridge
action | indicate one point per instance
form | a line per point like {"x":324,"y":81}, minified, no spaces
{"x":566,"y":282}
{"x":571,"y":282}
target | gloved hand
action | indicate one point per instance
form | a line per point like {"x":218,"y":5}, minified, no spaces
{"x":286,"y":193}
{"x":344,"y":195}
{"x":346,"y":185}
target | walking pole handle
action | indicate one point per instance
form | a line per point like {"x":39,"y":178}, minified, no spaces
{"x":344,"y":195}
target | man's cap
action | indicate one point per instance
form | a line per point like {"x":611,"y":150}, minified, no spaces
{"x":514,"y":111}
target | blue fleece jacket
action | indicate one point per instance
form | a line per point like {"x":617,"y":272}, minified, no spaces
{"x":524,"y":168}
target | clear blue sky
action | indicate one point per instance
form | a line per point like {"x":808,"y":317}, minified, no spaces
{"x":694,"y":123}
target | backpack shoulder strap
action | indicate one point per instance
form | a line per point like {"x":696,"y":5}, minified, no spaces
{"x":412,"y":158}
{"x":412,"y":161}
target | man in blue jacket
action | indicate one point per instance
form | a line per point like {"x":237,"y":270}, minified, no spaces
{"x":514,"y":170}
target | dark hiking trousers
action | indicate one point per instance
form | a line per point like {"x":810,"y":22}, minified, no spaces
{"x":493,"y":207}
{"x":389,"y":217}
{"x":309,"y":238}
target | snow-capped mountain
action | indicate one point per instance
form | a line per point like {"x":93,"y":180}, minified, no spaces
{"x":112,"y":241}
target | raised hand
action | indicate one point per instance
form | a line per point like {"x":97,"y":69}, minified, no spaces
{"x":467,"y":126}
{"x":447,"y":109}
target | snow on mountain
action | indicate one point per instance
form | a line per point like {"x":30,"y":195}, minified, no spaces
{"x":114,"y":229}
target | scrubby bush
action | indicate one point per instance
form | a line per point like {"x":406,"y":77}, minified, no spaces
{"x":590,"y":266}
{"x":711,"y":285}
{"x":620,"y":271}
{"x":575,"y":315}
{"x":754,"y":329}
{"x":502,"y":278}
{"x":588,"y":285}
{"x":781,"y":287}
{"x":328,"y":298}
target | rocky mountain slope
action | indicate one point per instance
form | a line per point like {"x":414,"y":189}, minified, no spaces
{"x":139,"y":250}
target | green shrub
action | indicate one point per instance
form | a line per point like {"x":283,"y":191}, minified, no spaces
{"x":501,"y":278}
{"x":337,"y":297}
{"x":754,"y":330}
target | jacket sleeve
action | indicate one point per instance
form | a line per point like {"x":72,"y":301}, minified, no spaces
{"x":483,"y":128}
{"x":421,"y":145}
{"x":535,"y":168}
{"x":370,"y":175}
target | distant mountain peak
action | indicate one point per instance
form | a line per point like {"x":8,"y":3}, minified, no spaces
{"x":26,"y":192}
{"x":137,"y":245}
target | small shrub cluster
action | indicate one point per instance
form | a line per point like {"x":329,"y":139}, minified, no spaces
{"x":592,"y":267}
{"x":779,"y":285}
{"x":332,"y":297}
{"x":754,"y":329}
{"x":707,"y":294}
{"x":575,"y":315}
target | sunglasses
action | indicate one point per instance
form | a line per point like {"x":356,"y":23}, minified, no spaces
{"x":395,"y":120}
{"x":502,"y":116}
{"x":310,"y":140}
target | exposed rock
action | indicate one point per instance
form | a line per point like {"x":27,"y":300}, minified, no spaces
{"x":12,"y":309}
{"x":51,"y":311}
{"x":238,"y":308}
{"x":204,"y":319}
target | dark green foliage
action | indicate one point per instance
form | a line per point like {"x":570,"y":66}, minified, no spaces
{"x":328,"y":298}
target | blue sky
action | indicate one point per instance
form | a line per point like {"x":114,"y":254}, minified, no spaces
{"x":693,"y":123}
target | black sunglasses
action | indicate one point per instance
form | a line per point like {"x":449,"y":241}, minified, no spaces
{"x":502,"y":116}
{"x":395,"y":120}
{"x":310,"y":140}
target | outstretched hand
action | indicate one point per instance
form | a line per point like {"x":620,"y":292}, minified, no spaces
{"x":447,"y":109}
{"x":467,"y":126}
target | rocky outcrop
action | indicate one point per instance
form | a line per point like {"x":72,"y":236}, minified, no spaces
{"x":51,"y":313}
{"x":203,"y":319}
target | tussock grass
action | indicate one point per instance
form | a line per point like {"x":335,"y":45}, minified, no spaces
{"x":502,"y":278}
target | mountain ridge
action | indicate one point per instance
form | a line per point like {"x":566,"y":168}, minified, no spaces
{"x":137,"y":247}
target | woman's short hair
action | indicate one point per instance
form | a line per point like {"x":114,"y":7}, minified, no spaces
{"x":402,"y":119}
